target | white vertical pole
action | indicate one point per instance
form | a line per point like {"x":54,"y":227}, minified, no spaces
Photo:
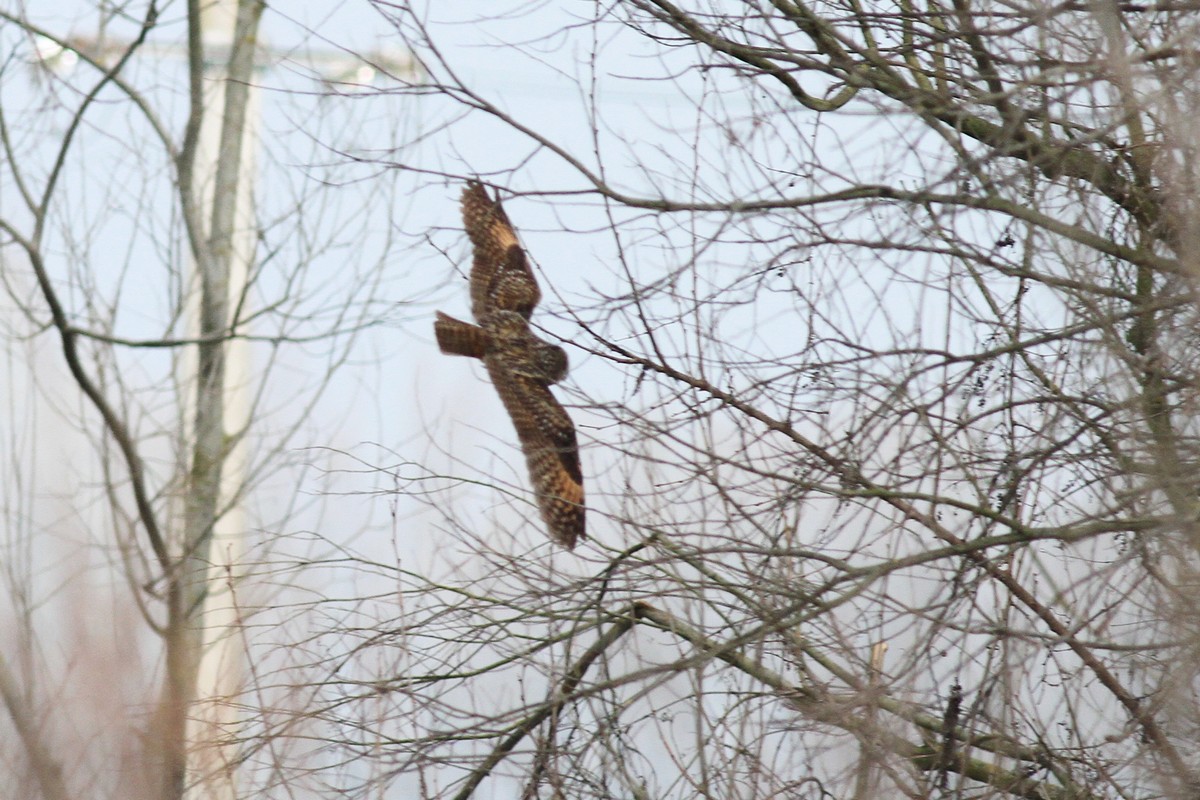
{"x":213,"y":730}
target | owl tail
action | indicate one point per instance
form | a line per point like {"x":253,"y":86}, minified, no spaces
{"x":458,"y":338}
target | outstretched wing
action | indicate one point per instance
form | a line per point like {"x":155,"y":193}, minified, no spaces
{"x":501,"y":279}
{"x":548,"y":440}
{"x":458,"y":338}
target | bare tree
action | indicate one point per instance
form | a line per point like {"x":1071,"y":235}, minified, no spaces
{"x":151,"y":451}
{"x":887,"y":402}
{"x":882,"y":325}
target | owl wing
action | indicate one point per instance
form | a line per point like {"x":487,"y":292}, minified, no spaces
{"x":500,"y":275}
{"x":458,"y":338}
{"x":548,"y":440}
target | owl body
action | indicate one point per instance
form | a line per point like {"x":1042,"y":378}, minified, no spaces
{"x":506,"y":337}
{"x":521,"y":366}
{"x":511,"y":341}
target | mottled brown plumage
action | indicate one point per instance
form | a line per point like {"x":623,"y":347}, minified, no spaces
{"x":522,"y":366}
{"x":458,"y":338}
{"x":500,"y":275}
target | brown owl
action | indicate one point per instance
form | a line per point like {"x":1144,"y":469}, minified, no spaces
{"x":522,"y":366}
